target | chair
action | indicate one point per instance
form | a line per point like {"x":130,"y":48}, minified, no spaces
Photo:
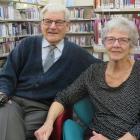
{"x":72,"y":130}
{"x":58,"y":126}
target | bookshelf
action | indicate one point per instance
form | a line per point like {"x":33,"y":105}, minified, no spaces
{"x":104,"y":10}
{"x":117,"y":11}
{"x":82,"y":26}
{"x":18,"y":19}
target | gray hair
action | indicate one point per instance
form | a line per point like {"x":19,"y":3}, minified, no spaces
{"x":122,"y":24}
{"x":55,"y":7}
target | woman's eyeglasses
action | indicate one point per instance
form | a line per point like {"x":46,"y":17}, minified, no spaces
{"x":112,"y":40}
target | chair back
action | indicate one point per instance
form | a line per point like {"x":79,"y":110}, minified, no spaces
{"x":84,"y":110}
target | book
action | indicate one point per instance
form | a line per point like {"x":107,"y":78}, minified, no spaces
{"x":88,"y":13}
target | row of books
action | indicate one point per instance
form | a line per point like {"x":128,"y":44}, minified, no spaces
{"x":22,"y":28}
{"x":7,"y":46}
{"x":99,"y":24}
{"x":81,"y":12}
{"x":18,"y":29}
{"x":30,"y":13}
{"x":9,"y":12}
{"x":83,"y":41}
{"x":85,"y":26}
{"x":28,"y":1}
{"x":117,"y":4}
{"x":2,"y":61}
{"x":71,"y":3}
{"x":10,"y":43}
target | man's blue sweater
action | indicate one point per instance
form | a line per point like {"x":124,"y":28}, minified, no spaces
{"x":22,"y":74}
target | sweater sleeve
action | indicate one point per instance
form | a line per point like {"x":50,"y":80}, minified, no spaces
{"x":135,"y":131}
{"x":10,"y":71}
{"x":76,"y":91}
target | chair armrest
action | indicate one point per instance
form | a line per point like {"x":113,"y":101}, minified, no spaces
{"x":58,"y":126}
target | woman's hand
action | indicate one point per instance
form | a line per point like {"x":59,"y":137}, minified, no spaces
{"x":128,"y":136}
{"x":97,"y":136}
{"x":44,"y":132}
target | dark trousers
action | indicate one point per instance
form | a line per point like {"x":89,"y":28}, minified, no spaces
{"x":20,"y":118}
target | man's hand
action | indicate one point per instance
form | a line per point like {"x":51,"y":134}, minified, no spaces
{"x":44,"y":132}
{"x":97,"y":136}
{"x":3,"y":99}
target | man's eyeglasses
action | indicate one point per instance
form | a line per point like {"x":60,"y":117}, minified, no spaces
{"x":48,"y":22}
{"x":112,"y":40}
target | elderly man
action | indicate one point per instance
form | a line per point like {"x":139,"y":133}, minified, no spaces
{"x":35,"y":71}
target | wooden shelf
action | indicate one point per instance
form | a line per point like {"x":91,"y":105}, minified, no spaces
{"x":78,"y":6}
{"x":117,"y":11}
{"x":29,"y":3}
{"x":81,"y":19}
{"x":4,"y":55}
{"x":18,"y":36}
{"x":19,"y":20}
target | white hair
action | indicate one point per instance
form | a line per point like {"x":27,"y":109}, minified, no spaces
{"x":122,"y":24}
{"x":55,"y":7}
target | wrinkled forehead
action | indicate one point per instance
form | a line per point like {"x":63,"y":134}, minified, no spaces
{"x":54,"y":15}
{"x":118,"y":31}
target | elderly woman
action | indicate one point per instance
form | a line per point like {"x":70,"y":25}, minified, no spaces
{"x":113,"y":88}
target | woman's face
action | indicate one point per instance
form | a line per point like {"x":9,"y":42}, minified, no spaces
{"x":117,"y":44}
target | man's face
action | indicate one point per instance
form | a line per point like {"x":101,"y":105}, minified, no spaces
{"x":54,"y":26}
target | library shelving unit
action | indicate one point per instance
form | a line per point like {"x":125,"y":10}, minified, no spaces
{"x":105,"y":11}
{"x":81,"y":26}
{"x":18,"y":19}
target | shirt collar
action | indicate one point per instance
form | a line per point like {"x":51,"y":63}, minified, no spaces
{"x":59,"y":46}
{"x":45,"y":43}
